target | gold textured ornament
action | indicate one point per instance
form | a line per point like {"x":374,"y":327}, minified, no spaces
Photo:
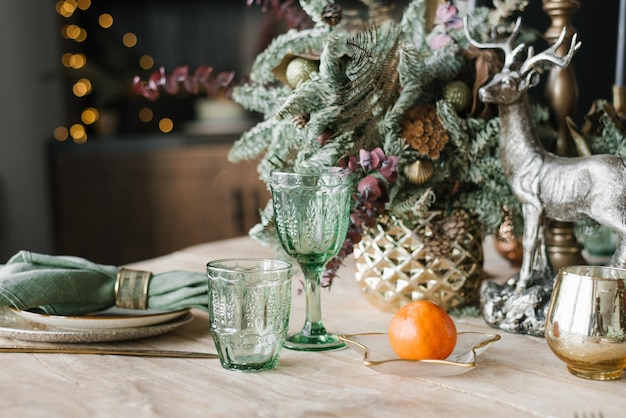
{"x":280,"y":71}
{"x":420,"y":171}
{"x":299,"y":70}
{"x":458,"y":94}
{"x":395,"y":264}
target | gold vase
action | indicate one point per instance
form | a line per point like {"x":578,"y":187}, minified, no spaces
{"x":440,"y":260}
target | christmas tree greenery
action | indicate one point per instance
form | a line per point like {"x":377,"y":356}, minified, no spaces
{"x":391,"y":98}
{"x":376,"y":87}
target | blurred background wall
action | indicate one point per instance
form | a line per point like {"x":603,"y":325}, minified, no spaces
{"x":30,"y":108}
{"x":35,"y":97}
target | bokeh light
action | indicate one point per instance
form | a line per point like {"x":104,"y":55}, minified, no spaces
{"x":71,"y":31}
{"x":61,"y":133}
{"x":65,"y":8}
{"x":145,"y":114}
{"x":81,"y":36}
{"x":89,"y":116}
{"x":78,"y":133}
{"x":146,"y":62}
{"x":82,"y":87}
{"x":166,"y":125}
{"x":129,"y":40}
{"x":105,"y":20}
{"x":75,"y":61}
{"x":83,"y":4}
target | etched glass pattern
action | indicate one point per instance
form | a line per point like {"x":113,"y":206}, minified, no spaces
{"x":311,"y":214}
{"x":249,"y":307}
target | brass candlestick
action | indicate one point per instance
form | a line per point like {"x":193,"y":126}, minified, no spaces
{"x":562,"y":94}
{"x":619,"y":101}
{"x":562,"y":89}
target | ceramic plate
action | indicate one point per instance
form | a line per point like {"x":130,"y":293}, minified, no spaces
{"x":377,"y":354}
{"x":113,"y":318}
{"x":20,"y":328}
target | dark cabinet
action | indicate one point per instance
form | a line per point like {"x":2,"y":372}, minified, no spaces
{"x":121,"y":201}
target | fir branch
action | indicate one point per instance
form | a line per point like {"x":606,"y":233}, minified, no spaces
{"x":414,"y":207}
{"x":413,"y":23}
{"x":254,"y":142}
{"x":305,"y":42}
{"x":374,"y":80}
{"x":306,"y":98}
{"x":609,"y":139}
{"x":262,"y":99}
{"x":314,"y":9}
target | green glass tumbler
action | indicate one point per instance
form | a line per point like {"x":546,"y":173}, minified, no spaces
{"x":249,"y":308}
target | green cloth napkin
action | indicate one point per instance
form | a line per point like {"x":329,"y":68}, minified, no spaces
{"x":67,"y":285}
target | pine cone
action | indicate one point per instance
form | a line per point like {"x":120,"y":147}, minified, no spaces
{"x":439,"y":245}
{"x":300,"y":121}
{"x":455,"y":226}
{"x":424,"y":132}
{"x":332,"y":14}
{"x":447,"y":232}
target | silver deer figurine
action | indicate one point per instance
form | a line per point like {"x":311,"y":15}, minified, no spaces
{"x":561,"y":188}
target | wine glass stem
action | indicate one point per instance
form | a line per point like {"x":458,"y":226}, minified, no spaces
{"x":313,"y":321}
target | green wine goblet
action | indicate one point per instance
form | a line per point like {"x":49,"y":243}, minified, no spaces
{"x":312,"y":214}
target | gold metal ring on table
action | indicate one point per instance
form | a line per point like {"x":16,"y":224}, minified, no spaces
{"x":131,"y":289}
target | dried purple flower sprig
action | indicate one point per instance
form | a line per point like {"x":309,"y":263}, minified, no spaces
{"x":369,"y":201}
{"x":287,"y":10}
{"x":202,"y":78}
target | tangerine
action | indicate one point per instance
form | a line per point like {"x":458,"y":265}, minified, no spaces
{"x":422,"y":330}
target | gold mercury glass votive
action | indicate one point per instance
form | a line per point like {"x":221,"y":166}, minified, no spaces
{"x":586,"y":321}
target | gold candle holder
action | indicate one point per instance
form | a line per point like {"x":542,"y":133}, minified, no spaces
{"x":562,"y":94}
{"x":619,"y":101}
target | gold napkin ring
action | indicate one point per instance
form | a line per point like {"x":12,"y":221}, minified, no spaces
{"x":131,"y":289}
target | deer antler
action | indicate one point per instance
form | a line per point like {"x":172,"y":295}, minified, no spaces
{"x":507,"y":46}
{"x":549,"y":56}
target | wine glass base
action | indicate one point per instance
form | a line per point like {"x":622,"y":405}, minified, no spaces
{"x":325,"y":342}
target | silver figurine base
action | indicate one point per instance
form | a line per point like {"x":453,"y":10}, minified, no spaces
{"x":522,"y":312}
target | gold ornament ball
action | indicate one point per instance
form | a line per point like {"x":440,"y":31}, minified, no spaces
{"x":458,"y":94}
{"x":299,"y":70}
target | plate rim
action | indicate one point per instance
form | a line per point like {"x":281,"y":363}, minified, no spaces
{"x":47,"y":319}
{"x":490,"y":338}
{"x":93,"y":336}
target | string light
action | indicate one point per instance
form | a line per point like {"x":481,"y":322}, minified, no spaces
{"x":146,"y":114}
{"x":105,"y":20}
{"x":90,"y":115}
{"x":65,"y":8}
{"x":75,"y":61}
{"x":166,"y":125}
{"x":61,"y":133}
{"x":129,"y":40}
{"x":71,"y":31}
{"x":146,"y":62}
{"x":83,"y":87}
{"x":78,"y":133}
{"x":83,"y":4}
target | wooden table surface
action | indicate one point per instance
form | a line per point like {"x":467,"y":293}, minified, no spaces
{"x":517,"y":376}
